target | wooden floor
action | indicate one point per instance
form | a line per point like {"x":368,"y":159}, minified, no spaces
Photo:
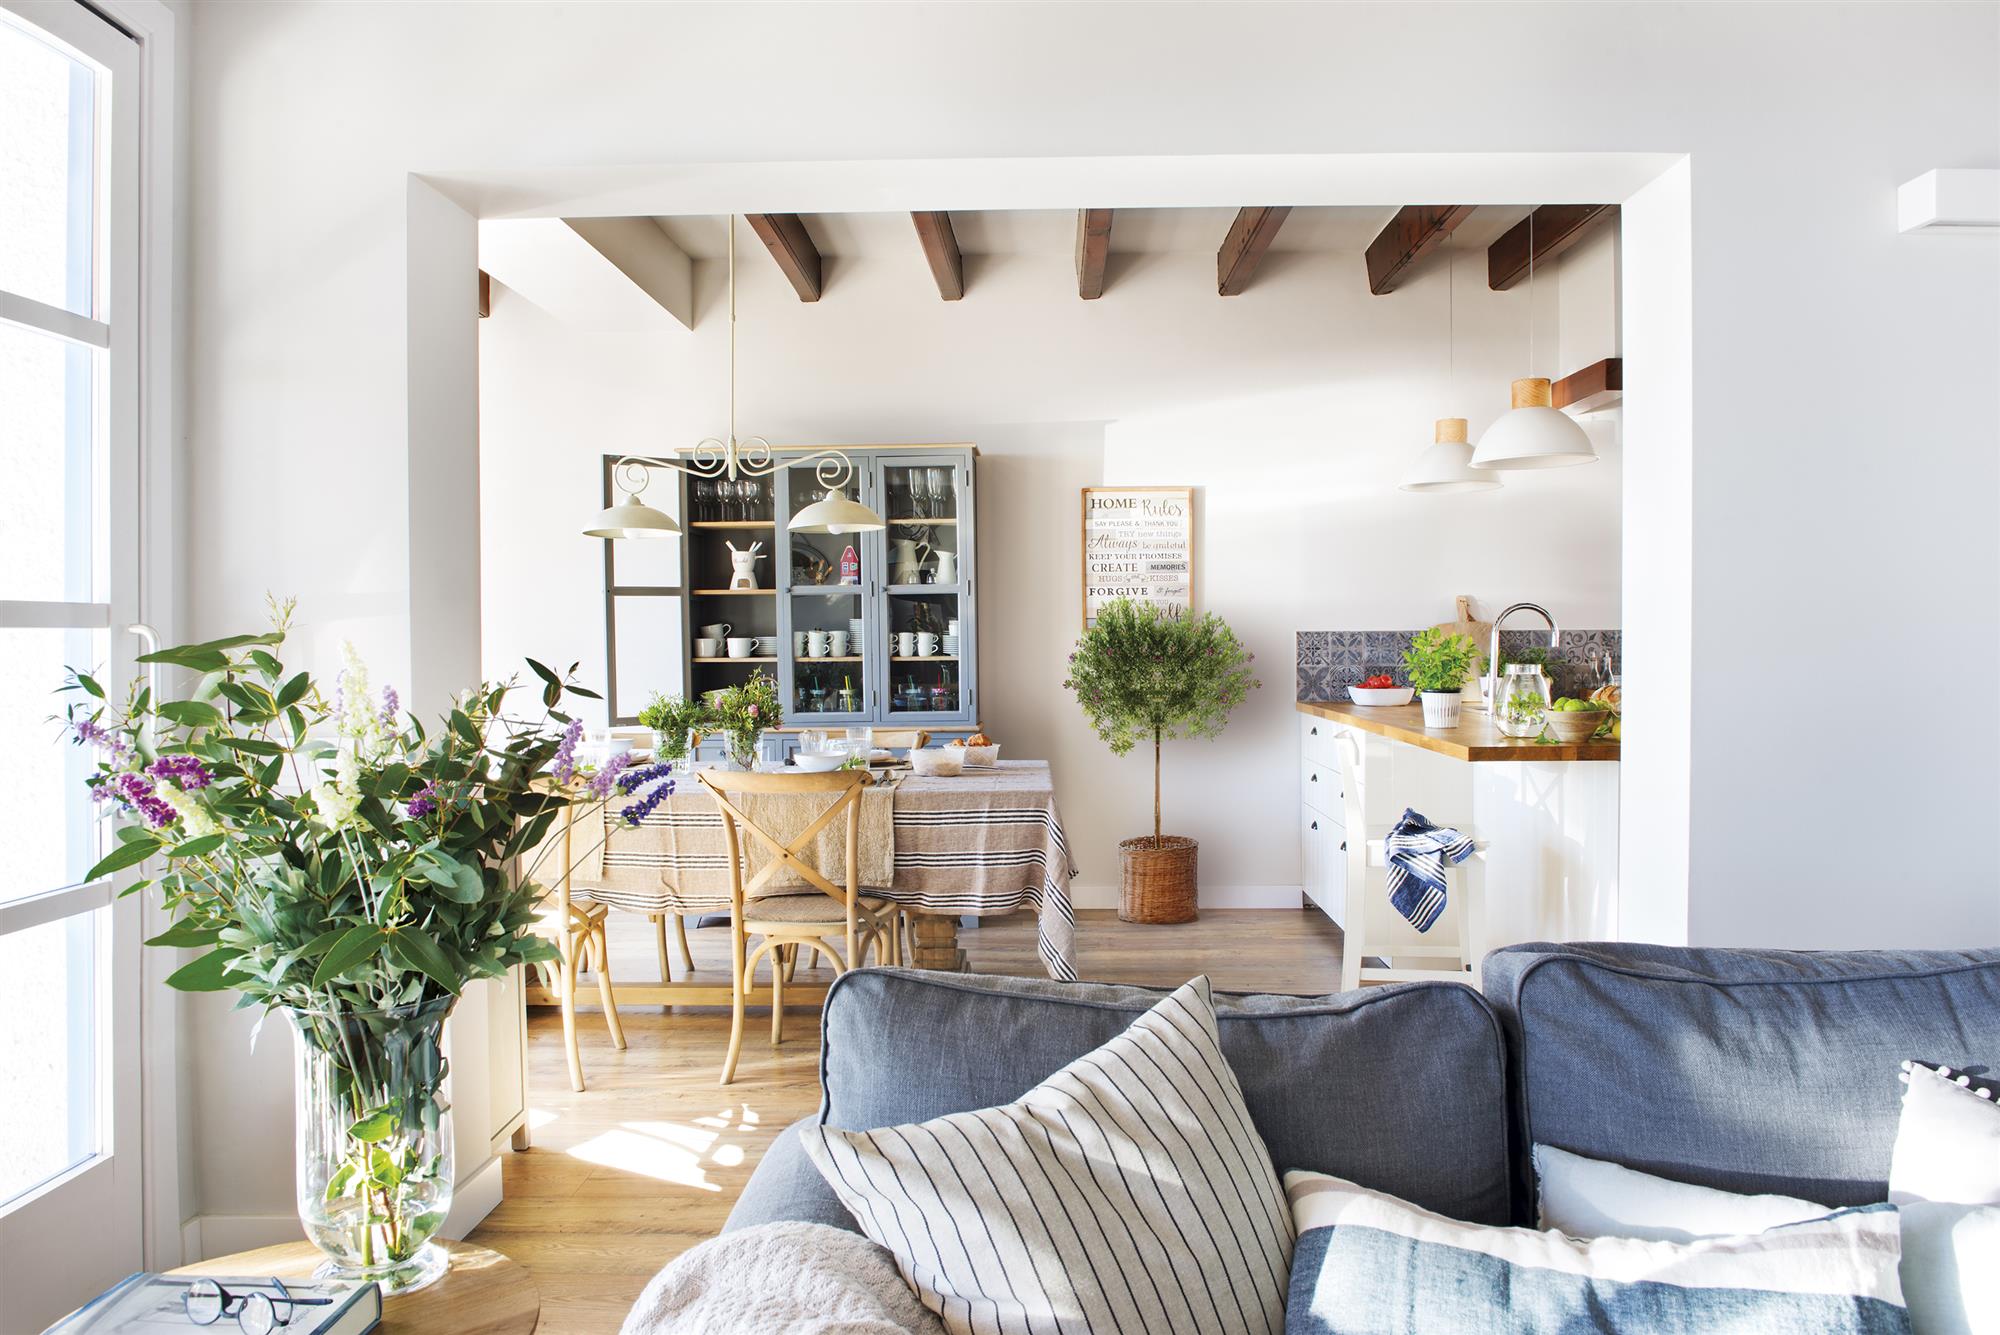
{"x":647,"y":1162}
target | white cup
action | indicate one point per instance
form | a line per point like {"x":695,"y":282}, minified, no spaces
{"x":816,"y":644}
{"x":836,"y":643}
{"x":707,"y":648}
{"x":951,"y":628}
{"x":719,"y":631}
{"x":926,"y":644}
{"x":800,"y":640}
{"x":906,"y":644}
{"x":740,"y":647}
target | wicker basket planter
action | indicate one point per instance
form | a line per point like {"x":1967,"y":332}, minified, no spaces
{"x":1159,"y":882}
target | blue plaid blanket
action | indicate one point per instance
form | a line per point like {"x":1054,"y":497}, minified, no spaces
{"x":1417,"y":852}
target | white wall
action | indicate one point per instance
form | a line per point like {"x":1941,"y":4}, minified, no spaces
{"x":1844,"y":371}
{"x":1294,"y":409}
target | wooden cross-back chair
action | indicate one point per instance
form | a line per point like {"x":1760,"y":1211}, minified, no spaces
{"x":784,"y":923}
{"x":577,"y":930}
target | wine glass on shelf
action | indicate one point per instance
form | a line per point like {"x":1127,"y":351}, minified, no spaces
{"x":918,"y":493}
{"x":940,"y":493}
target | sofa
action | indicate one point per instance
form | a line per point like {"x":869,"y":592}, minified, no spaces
{"x":1744,"y":1070}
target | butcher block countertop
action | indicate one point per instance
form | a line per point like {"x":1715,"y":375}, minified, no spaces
{"x":1475,"y":738}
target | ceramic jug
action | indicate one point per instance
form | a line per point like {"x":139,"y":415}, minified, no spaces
{"x":906,"y":560}
{"x":947,"y":567}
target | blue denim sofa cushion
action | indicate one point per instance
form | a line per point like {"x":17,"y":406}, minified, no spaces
{"x":1400,"y":1088}
{"x":1745,"y":1070}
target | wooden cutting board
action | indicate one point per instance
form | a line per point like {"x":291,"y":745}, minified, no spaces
{"x":1481,"y":632}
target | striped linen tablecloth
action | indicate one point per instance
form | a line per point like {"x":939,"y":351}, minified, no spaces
{"x":986,"y":842}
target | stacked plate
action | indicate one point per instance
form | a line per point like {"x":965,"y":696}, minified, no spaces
{"x":854,"y":634}
{"x":951,"y":645}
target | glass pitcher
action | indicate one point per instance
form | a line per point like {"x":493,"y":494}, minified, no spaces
{"x":1521,"y":700}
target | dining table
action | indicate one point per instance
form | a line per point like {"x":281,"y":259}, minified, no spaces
{"x":982,"y":843}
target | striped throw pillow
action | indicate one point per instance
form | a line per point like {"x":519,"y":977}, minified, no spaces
{"x":1369,"y":1264}
{"x":1129,"y":1192}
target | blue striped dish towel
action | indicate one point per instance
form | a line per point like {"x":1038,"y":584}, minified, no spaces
{"x":1416,"y":852}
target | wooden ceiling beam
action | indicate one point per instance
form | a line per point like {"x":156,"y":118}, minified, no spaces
{"x":1415,"y":231}
{"x":941,"y":251}
{"x":1597,"y":386}
{"x":485,"y":294}
{"x":1249,"y":237}
{"x":1093,"y":247}
{"x":785,"y":236}
{"x":1555,"y":228}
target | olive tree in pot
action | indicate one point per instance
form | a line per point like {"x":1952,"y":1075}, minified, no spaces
{"x":1141,"y":672}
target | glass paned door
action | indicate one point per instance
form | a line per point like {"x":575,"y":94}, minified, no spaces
{"x":928,"y":550}
{"x":826,"y":636}
{"x":70,"y":1172}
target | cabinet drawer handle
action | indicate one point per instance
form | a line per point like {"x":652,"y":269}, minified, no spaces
{"x":1315,"y":778}
{"x":1315,"y":825}
{"x":1343,"y":845}
{"x":1315,"y":731}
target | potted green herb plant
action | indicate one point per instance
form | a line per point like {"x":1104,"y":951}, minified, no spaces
{"x":1146,"y":672}
{"x":1438,"y":662}
{"x":676,"y":724}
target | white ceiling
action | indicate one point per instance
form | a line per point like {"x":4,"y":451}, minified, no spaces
{"x":1336,"y":230}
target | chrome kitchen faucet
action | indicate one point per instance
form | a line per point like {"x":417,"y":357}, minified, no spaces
{"x":1491,"y":682}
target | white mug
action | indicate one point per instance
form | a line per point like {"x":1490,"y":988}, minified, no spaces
{"x":951,"y":628}
{"x":741,"y":648}
{"x":800,"y":639}
{"x":926,"y":644}
{"x":906,"y":644}
{"x":707,"y":648}
{"x":816,"y":644}
{"x":836,"y":643}
{"x":719,"y":631}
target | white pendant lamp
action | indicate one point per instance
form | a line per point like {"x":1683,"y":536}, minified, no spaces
{"x":1533,"y":434}
{"x":753,"y":457}
{"x":1446,"y":464}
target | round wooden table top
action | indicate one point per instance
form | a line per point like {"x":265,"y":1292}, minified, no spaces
{"x":484,"y":1293}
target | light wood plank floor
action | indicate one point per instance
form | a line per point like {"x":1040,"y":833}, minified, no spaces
{"x":647,"y":1162}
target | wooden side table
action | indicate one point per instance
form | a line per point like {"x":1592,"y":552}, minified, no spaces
{"x":484,"y":1293}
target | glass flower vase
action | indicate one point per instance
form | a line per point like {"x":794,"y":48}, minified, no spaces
{"x":743,"y":749}
{"x":374,"y":1155}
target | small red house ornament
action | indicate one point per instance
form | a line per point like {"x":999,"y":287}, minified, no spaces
{"x":850,"y":567}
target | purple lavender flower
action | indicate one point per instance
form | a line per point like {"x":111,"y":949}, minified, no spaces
{"x":564,"y":765}
{"x":187,"y":772}
{"x":157,"y":813}
{"x":425,"y":802}
{"x":632,"y":780}
{"x":645,"y":806}
{"x":391,"y":706}
{"x":89,"y":732}
{"x":600,"y":782}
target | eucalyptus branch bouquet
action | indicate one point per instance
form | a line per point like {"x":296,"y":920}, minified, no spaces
{"x":335,"y":859}
{"x":1147,"y":671}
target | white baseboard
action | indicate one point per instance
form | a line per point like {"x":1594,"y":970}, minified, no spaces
{"x":472,"y":1200}
{"x":1212,"y":896}
{"x":211,"y":1235}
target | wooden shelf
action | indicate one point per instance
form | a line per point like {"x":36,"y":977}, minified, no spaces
{"x":734,"y":593}
{"x":923,"y":658}
{"x":754,"y":658}
{"x":828,"y":658}
{"x":920,"y":590}
{"x":828,"y":590}
{"x":731,"y":523}
{"x":922,"y":523}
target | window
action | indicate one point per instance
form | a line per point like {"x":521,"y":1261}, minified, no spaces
{"x":644,"y":607}
{"x":69,"y":966}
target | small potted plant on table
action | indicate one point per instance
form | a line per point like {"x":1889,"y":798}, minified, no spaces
{"x":1146,"y":671}
{"x":675,"y":722}
{"x":1438,"y":663}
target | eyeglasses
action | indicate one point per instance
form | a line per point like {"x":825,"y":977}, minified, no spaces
{"x":256,"y":1313}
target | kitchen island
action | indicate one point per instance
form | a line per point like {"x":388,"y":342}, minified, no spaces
{"x":1549,"y":814}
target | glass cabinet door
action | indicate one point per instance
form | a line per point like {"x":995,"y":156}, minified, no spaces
{"x":826,"y":633}
{"x":927,"y":552}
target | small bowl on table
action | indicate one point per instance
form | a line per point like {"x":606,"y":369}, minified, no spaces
{"x":1375,"y":697}
{"x":1573,"y":727}
{"x":818,"y":762}
{"x":987,"y":755}
{"x":938,"y":762}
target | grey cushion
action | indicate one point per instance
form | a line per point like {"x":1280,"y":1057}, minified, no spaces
{"x":1745,"y":1070}
{"x":786,"y":1186}
{"x":1399,"y":1088}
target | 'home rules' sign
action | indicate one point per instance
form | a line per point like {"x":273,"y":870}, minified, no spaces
{"x":1138,"y":543}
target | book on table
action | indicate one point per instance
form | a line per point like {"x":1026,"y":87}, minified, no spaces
{"x":150,"y":1304}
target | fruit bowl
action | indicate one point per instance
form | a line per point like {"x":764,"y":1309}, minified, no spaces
{"x":1392,"y":695}
{"x":1573,"y":726}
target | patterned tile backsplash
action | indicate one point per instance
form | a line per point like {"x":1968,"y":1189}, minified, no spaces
{"x":1330,"y":661}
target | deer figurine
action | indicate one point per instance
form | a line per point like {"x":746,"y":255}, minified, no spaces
{"x":743,"y":565}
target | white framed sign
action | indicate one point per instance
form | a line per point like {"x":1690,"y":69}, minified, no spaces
{"x":1138,"y":543}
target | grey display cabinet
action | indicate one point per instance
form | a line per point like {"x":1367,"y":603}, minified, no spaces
{"x":917,"y":579}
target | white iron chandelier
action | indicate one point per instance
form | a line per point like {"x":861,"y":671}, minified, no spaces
{"x":730,"y":459}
